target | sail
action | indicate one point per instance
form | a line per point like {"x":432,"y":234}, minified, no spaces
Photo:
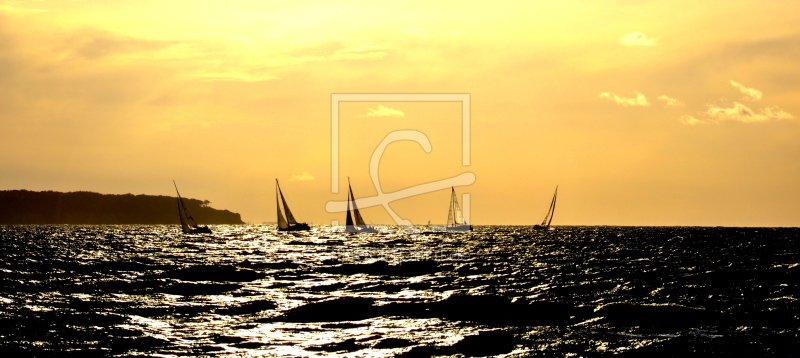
{"x":454,"y":215}
{"x":544,"y":221}
{"x":355,"y":222}
{"x":184,"y":225}
{"x":349,"y":222}
{"x":188,"y":224}
{"x":289,"y":217}
{"x":282,"y":224}
{"x":451,"y":212}
{"x":284,"y":221}
{"x":550,"y":211}
{"x":356,"y":214}
{"x":459,"y":216}
{"x":552,"y":207}
{"x":185,"y":216}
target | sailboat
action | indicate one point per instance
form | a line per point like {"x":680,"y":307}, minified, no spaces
{"x":549,"y":217}
{"x":286,"y":222}
{"x":188,"y":224}
{"x":455,"y":219}
{"x":359,"y":225}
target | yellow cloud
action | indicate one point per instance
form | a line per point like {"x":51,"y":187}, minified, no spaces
{"x":302,"y":177}
{"x":752,"y":93}
{"x":359,"y":52}
{"x":690,"y":120}
{"x":639,"y":100}
{"x":383,"y":111}
{"x":670,"y":102}
{"x":741,"y":113}
{"x":776,"y":113}
{"x":12,"y":10}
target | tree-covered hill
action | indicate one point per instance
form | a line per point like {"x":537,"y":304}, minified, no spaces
{"x":82,"y":207}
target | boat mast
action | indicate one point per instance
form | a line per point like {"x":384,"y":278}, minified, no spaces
{"x":184,"y":225}
{"x":190,"y":222}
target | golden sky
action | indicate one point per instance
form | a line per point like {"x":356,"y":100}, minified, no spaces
{"x":643,"y":112}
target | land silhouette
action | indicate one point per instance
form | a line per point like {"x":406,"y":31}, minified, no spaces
{"x":83,"y":207}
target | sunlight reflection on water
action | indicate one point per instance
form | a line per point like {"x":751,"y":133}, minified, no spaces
{"x":254,"y":291}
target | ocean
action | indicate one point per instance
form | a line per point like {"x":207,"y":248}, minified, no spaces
{"x":507,"y":291}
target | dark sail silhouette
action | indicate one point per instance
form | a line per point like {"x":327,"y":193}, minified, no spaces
{"x":455,"y":218}
{"x":286,"y":222}
{"x":549,"y":217}
{"x":188,"y":224}
{"x":359,"y":225}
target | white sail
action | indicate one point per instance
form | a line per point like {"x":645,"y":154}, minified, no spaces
{"x":451,"y":217}
{"x":459,"y":216}
{"x":454,"y":215}
{"x":455,"y":218}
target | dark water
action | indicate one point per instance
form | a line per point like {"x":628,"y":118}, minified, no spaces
{"x":510,"y":291}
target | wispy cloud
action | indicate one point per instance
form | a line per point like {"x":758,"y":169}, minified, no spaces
{"x":738,"y":112}
{"x":751,"y":93}
{"x":639,"y":100}
{"x":670,"y":102}
{"x":741,"y":113}
{"x":8,"y":8}
{"x":383,"y":111}
{"x":92,"y":44}
{"x":302,"y":177}
{"x":360,"y":52}
{"x":636,"y":39}
{"x":272,"y":65}
{"x":776,"y":113}
{"x":691,"y":120}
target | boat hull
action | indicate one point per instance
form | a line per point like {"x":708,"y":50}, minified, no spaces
{"x":296,"y":227}
{"x":459,"y":228}
{"x":198,"y":230}
{"x":359,"y":229}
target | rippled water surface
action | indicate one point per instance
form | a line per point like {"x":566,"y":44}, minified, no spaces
{"x":509,"y":291}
